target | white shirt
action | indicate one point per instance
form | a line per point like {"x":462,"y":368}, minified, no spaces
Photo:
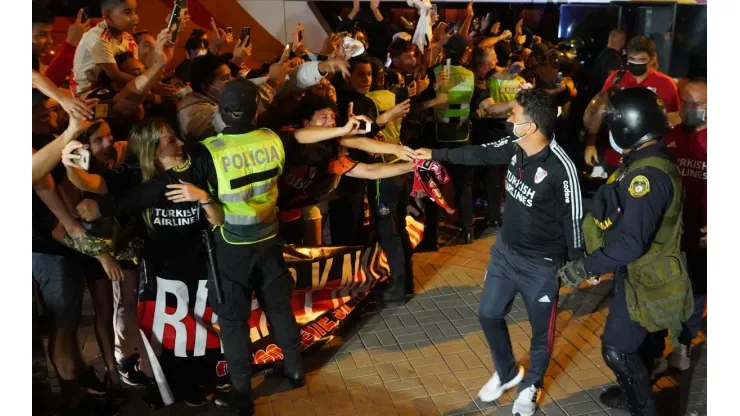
{"x":96,"y":47}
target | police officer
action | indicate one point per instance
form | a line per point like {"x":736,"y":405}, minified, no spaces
{"x":452,"y":129}
{"x":241,"y":166}
{"x":247,"y":164}
{"x":635,"y":231}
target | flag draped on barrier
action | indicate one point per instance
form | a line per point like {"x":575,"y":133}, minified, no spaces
{"x":180,"y":329}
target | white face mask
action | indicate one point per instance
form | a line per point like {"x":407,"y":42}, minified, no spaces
{"x":513,"y":131}
{"x":614,"y":144}
{"x":183,"y":92}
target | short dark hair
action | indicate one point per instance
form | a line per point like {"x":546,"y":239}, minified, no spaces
{"x":202,"y":70}
{"x":193,"y":43}
{"x":123,"y":57}
{"x":311,"y":103}
{"x":480,"y":55}
{"x":359,"y":60}
{"x":109,"y":5}
{"x":640,"y":44}
{"x":398,"y":47}
{"x":541,"y":108}
{"x":41,"y":16}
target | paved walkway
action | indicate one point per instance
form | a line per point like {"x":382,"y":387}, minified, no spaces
{"x":430,"y":357}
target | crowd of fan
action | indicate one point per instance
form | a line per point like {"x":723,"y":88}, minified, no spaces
{"x":117,"y":94}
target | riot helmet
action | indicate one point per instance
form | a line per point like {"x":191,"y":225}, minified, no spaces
{"x":635,"y":116}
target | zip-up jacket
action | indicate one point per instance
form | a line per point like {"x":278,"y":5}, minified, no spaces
{"x":543,"y":210}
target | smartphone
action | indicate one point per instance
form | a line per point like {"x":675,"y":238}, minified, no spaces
{"x":286,"y":53}
{"x":178,"y":11}
{"x":85,"y":15}
{"x":407,"y":80}
{"x":364,"y":127}
{"x":402,"y":94}
{"x":560,"y":77}
{"x":300,"y":36}
{"x":229,"y":30}
{"x":84,"y":161}
{"x":246,"y":31}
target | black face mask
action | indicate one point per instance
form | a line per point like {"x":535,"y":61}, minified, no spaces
{"x":637,"y":69}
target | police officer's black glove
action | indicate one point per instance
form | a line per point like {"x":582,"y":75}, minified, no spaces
{"x":572,"y":274}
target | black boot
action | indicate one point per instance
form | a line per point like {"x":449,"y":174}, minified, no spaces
{"x":614,"y":398}
{"x":294,"y":373}
{"x":236,"y":401}
{"x":633,"y":379}
{"x":152,"y":397}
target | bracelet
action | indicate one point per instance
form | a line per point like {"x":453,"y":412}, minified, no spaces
{"x":209,"y":202}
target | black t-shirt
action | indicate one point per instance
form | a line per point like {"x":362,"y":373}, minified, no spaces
{"x":176,"y":227}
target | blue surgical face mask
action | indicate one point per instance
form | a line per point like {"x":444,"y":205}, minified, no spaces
{"x":614,"y":144}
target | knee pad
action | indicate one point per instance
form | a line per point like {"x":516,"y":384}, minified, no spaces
{"x":614,"y":358}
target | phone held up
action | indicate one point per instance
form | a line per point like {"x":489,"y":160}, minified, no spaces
{"x":246,"y":31}
{"x":85,"y":15}
{"x":402,"y":94}
{"x":178,"y":12}
{"x":84,"y":161}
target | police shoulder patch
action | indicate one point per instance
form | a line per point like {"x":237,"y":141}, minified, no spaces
{"x":639,"y":186}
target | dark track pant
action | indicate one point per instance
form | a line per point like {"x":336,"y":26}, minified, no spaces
{"x":508,"y":274}
{"x":388,"y":200}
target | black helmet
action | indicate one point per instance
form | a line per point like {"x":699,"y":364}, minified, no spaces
{"x":635,"y":116}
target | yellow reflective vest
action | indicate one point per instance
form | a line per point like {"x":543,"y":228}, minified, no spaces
{"x":384,"y":100}
{"x":248,"y":167}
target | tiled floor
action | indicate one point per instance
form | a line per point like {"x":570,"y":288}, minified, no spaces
{"x":430,"y":357}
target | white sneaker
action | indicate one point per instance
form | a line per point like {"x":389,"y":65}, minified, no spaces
{"x":526,"y":403}
{"x":493,"y":389}
{"x":681,"y":357}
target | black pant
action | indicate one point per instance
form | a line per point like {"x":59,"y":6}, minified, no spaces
{"x":257,"y":267}
{"x":508,"y":274}
{"x":629,"y":350}
{"x":346,"y":216}
{"x":389,"y":199}
{"x":462,"y":178}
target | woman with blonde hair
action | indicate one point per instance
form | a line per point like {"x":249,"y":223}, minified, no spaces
{"x":175,"y":207}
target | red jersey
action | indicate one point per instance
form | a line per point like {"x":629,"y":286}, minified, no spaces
{"x":691,"y":156}
{"x":657,"y":82}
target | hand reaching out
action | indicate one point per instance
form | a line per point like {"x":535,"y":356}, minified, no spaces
{"x":355,"y":124}
{"x":394,"y":113}
{"x":77,"y":29}
{"x":241,"y":53}
{"x":81,"y":108}
{"x":332,"y":66}
{"x":423,"y":154}
{"x":220,"y":37}
{"x":405,"y":153}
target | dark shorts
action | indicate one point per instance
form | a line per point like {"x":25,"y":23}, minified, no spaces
{"x":61,"y":282}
